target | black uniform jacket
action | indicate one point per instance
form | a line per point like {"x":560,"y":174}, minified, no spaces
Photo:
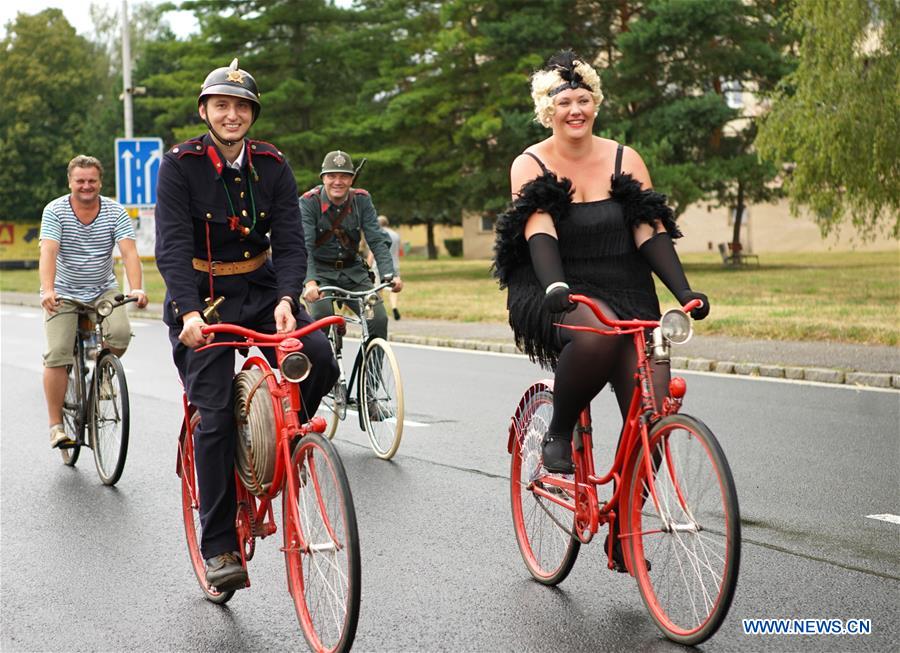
{"x":192,"y":206}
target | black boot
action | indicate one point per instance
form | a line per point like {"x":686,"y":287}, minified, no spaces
{"x":557,"y":452}
{"x":618,"y":559}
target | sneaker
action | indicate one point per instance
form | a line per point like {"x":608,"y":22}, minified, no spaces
{"x":557,"y":455}
{"x":59,"y":436}
{"x":396,"y":314}
{"x":225,"y":572}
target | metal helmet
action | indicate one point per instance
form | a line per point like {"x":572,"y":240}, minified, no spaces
{"x":337,"y":161}
{"x":233,"y":81}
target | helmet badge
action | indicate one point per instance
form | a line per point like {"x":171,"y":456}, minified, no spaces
{"x":235,"y":76}
{"x":339,"y":160}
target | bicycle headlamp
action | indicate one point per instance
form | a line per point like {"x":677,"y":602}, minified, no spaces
{"x":295,"y":367}
{"x":372,"y":299}
{"x":676,"y":326}
{"x":104,"y":308}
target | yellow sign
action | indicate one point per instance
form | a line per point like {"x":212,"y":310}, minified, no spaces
{"x":19,"y":241}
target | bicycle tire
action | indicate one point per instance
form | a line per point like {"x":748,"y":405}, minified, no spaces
{"x":73,"y":412}
{"x":381,"y":401}
{"x":694,"y":540}
{"x":110,"y":418}
{"x":548,"y":549}
{"x":333,"y":406}
{"x":321,"y":550}
{"x":190,"y":511}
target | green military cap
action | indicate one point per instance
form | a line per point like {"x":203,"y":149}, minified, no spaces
{"x":337,"y":161}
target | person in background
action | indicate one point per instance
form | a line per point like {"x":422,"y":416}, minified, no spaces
{"x":395,"y":257}
{"x":78,"y":233}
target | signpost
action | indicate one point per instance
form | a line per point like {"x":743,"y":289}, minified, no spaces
{"x":137,"y":168}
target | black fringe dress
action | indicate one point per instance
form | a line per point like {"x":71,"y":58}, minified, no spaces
{"x":596,"y":244}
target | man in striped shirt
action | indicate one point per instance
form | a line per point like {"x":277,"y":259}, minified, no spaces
{"x":78,"y":232}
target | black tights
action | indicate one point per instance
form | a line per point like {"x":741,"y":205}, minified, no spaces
{"x":587,"y":362}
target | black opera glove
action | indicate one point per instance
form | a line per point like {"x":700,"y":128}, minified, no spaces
{"x":701,"y":311}
{"x":660,"y":254}
{"x":557,"y":300}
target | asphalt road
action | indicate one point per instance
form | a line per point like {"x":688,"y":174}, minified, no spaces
{"x":87,"y":568}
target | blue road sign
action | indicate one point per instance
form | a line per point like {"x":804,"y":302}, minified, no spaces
{"x":137,"y":168}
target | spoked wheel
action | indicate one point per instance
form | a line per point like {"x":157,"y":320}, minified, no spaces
{"x":110,"y":419}
{"x":543,"y":528}
{"x":333,"y":408}
{"x":381,"y":403}
{"x":71,"y":412}
{"x":190,"y":510}
{"x":694,"y":540}
{"x":321,"y":546}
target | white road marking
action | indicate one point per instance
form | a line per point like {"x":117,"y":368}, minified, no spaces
{"x":406,"y":422}
{"x":891,"y":519}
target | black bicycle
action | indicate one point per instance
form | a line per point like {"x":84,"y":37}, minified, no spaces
{"x":96,"y":408}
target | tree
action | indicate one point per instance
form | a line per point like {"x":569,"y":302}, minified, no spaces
{"x":667,"y":83}
{"x":836,"y":118}
{"x":50,"y":79}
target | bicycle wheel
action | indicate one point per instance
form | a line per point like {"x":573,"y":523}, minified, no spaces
{"x":72,"y":411}
{"x":381,"y":404}
{"x":333,"y":408}
{"x":321,"y":546}
{"x":544,"y":530}
{"x":190,"y":511}
{"x":110,"y":415}
{"x":694,"y":540}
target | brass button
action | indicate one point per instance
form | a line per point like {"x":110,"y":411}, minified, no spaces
{"x":175,"y":149}
{"x":246,"y":254}
{"x":237,"y":180}
{"x":209,"y":216}
{"x":244,"y":213}
{"x":253,"y":147}
{"x":199,"y":147}
{"x":242,"y":193}
{"x":262,"y":214}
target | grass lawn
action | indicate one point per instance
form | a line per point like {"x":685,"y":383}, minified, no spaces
{"x":846,"y":296}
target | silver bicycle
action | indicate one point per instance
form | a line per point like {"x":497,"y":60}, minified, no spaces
{"x":374,"y":390}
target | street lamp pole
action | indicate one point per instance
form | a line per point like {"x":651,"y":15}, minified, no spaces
{"x":128,"y":90}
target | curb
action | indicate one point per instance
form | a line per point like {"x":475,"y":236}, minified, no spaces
{"x":817,"y":374}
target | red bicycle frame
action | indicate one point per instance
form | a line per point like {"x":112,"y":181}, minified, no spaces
{"x":580,"y":493}
{"x":255,"y":516}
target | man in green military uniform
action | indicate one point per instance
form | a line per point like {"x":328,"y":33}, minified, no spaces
{"x":335,"y":216}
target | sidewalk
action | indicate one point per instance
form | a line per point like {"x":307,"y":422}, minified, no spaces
{"x":829,"y":362}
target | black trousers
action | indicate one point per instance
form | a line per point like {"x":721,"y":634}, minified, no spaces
{"x":208,"y":381}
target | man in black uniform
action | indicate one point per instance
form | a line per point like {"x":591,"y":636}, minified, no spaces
{"x":219,"y":196}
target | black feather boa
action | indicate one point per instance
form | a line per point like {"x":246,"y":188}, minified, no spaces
{"x":512,"y":263}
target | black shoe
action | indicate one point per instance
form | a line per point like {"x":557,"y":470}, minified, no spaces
{"x":618,"y":559}
{"x":396,"y":314}
{"x":225,"y":573}
{"x":557,"y":455}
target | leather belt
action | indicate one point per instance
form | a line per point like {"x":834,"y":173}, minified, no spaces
{"x":338,"y":264}
{"x":223,"y":268}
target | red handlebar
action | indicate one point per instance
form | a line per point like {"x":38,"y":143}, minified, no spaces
{"x":270,"y":338}
{"x":623,"y":324}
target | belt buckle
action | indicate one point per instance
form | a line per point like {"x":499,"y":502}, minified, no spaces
{"x":339,"y":264}
{"x":212,"y":267}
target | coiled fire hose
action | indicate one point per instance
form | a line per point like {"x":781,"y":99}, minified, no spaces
{"x":255,"y":417}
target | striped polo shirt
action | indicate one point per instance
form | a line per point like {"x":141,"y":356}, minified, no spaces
{"x":84,"y":265}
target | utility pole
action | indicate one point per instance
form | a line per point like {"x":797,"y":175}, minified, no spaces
{"x":128,"y":90}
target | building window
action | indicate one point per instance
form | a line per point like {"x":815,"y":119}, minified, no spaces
{"x":734,"y":94}
{"x":487,"y":223}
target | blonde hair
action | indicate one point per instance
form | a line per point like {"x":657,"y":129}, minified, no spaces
{"x":544,"y":81}
{"x":84,"y":161}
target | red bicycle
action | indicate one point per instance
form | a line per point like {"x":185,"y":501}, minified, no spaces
{"x":673,"y":501}
{"x":276,"y":452}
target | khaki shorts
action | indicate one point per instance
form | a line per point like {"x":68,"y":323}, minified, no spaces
{"x":60,"y":331}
